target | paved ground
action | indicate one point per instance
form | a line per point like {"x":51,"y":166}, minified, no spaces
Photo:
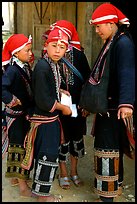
{"x":85,"y":169}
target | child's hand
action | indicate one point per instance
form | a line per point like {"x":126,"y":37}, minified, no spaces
{"x":124,"y":112}
{"x":85,"y":113}
{"x":18,"y":102}
{"x":66,"y":110}
{"x":65,"y":92}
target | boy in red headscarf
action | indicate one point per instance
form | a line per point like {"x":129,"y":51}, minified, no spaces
{"x":18,"y":100}
{"x":45,"y":136}
{"x":74,"y":127}
{"x":117,"y":55}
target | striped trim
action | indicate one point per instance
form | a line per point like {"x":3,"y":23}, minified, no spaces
{"x":35,"y":120}
{"x":19,"y":48}
{"x":40,"y":194}
{"x":12,"y":112}
{"x":43,"y":183}
{"x":5,"y":62}
{"x":5,"y":139}
{"x":75,"y":42}
{"x":42,"y":119}
{"x":13,"y":101}
{"x":109,"y":17}
{"x":124,"y":21}
{"x":103,"y":18}
{"x":48,"y":163}
{"x":5,"y":143}
{"x":59,"y":40}
{"x":53,"y":107}
{"x":106,"y":154}
{"x":107,"y":194}
{"x":126,"y":105}
{"x":106,"y":178}
{"x":64,"y":30}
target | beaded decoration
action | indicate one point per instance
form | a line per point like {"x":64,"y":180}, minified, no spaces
{"x":67,"y":75}
{"x":56,"y":71}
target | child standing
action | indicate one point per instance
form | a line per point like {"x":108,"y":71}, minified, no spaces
{"x":74,"y":127}
{"x":45,"y":134}
{"x":18,"y":100}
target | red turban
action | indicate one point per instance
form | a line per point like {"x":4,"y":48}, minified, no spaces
{"x":57,"y":35}
{"x":45,"y":35}
{"x":69,"y":29}
{"x":106,"y":13}
{"x":15,"y":43}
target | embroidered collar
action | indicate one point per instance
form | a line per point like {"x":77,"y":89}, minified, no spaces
{"x":18,"y":62}
{"x":56,"y":72}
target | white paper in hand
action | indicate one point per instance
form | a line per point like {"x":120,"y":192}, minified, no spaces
{"x":67,"y":100}
{"x":74,"y":111}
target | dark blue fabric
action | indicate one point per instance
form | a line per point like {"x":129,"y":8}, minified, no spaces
{"x":47,"y":141}
{"x":122,"y":73}
{"x":73,"y":69}
{"x":14,"y":84}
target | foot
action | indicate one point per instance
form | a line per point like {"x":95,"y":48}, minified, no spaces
{"x":120,"y":190}
{"x":26,"y":193}
{"x":51,"y":198}
{"x":77,"y":181}
{"x":98,"y":200}
{"x":14,"y":182}
{"x":64,"y":182}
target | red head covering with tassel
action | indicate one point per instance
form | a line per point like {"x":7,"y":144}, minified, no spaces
{"x":106,"y":13}
{"x":57,"y":35}
{"x":69,"y":29}
{"x":15,"y":43}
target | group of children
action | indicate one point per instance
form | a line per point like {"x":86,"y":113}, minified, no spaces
{"x":40,"y":128}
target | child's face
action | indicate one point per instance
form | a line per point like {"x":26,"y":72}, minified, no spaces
{"x":105,"y":30}
{"x":25,"y":53}
{"x":56,"y":50}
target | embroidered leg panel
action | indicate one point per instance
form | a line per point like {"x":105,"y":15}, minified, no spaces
{"x":106,"y":172}
{"x":44,"y":176}
{"x":64,"y":152}
{"x":77,"y":148}
{"x":15,"y":156}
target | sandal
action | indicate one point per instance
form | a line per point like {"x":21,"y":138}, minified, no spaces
{"x":76,"y":180}
{"x":64,"y":182}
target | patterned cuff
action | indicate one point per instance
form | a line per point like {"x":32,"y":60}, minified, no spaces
{"x":126,"y":105}
{"x":14,"y":99}
{"x":53,"y":107}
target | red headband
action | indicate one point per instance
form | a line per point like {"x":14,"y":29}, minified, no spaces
{"x":106,"y":13}
{"x":57,"y":35}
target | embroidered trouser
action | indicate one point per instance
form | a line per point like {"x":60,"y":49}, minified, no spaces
{"x":78,"y":150}
{"x":46,"y":157}
{"x":74,"y":129}
{"x":108,"y":157}
{"x":17,"y":129}
{"x":106,"y":164}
